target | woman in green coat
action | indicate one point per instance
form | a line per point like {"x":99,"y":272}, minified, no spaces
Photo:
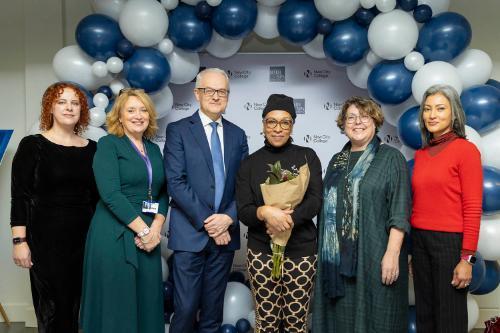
{"x":122,"y":287}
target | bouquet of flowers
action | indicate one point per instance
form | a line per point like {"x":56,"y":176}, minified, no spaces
{"x":283,"y":189}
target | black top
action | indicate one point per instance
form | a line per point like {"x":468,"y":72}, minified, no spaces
{"x":253,"y":172}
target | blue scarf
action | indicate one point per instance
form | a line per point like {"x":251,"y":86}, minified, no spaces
{"x":339,"y":246}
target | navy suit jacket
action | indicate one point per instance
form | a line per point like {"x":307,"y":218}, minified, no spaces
{"x":191,"y":182}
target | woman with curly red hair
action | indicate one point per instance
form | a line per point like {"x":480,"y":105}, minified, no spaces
{"x":53,"y":199}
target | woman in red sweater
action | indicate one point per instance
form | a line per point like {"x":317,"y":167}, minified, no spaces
{"x":447,"y":198}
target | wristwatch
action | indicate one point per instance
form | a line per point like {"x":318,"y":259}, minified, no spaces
{"x":471,"y":259}
{"x":18,"y":240}
{"x":144,"y":232}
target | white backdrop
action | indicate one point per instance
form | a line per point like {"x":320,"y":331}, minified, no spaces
{"x":318,"y":88}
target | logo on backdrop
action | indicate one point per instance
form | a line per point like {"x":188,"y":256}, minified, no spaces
{"x":239,"y":74}
{"x":300,"y":105}
{"x":317,"y":73}
{"x":316,"y":138}
{"x":332,"y":106}
{"x":392,"y":139}
{"x":254,"y":106}
{"x":182,"y":106}
{"x":277,"y":74}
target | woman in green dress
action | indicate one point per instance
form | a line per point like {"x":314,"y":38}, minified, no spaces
{"x":122,"y":288}
{"x":362,"y":277}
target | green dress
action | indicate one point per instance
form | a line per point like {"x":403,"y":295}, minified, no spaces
{"x":122,"y":287}
{"x":369,"y":306}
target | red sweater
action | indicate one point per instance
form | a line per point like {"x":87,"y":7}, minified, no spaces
{"x":448,"y":191}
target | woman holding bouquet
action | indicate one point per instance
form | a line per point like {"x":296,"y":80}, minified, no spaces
{"x":362,"y":279}
{"x":282,"y":300}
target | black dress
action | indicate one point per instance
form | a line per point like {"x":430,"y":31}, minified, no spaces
{"x":54,"y":196}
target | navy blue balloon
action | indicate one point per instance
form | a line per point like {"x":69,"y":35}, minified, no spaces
{"x":98,"y":35}
{"x":390,"y":82}
{"x":444,"y":37}
{"x":491,"y":190}
{"x":491,"y":278}
{"x":412,"y":320}
{"x":409,"y":128}
{"x":237,"y":276}
{"x":298,"y":21}
{"x":235,"y":19}
{"x":106,"y":90}
{"x":347,"y":43}
{"x":494,"y":83}
{"x":325,"y":26}
{"x":125,"y":49}
{"x":407,"y":5}
{"x":203,"y":10}
{"x":411,"y":165}
{"x":481,"y":104}
{"x":478,"y":273}
{"x":364,"y":16}
{"x":147,"y":69}
{"x":243,"y":325}
{"x":422,"y":14}
{"x":228,"y":328}
{"x":186,"y":30}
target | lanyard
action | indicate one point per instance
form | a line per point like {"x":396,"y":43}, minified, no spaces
{"x":146,"y":160}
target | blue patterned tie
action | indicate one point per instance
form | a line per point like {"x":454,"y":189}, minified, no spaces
{"x":218,"y":162}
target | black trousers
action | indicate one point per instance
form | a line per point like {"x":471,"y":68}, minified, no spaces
{"x":440,"y":307}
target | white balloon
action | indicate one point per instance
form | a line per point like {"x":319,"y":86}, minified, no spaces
{"x":336,"y":10}
{"x":411,"y":291}
{"x":489,"y":236}
{"x":267,"y":21}
{"x":393,"y":112}
{"x":359,"y":72}
{"x":251,"y":318}
{"x":474,"y":137}
{"x":114,"y":65}
{"x":474,"y":67}
{"x":163,"y":101}
{"x":72,"y":64}
{"x":490,"y":143}
{"x":414,"y":61}
{"x":435,"y":72}
{"x":143,"y":22}
{"x":35,"y":128}
{"x":367,"y":4}
{"x":472,"y":312}
{"x":116,"y":85}
{"x":166,"y":46}
{"x":191,"y":2}
{"x":372,"y":59}
{"x":238,"y":302}
{"x":437,"y":6}
{"x":100,"y":100}
{"x":170,"y":4}
{"x":270,"y":3}
{"x":315,"y":47}
{"x":97,"y":116}
{"x":407,"y":152}
{"x":165,"y":251}
{"x":99,"y":69}
{"x":184,"y":66}
{"x":385,"y":5}
{"x":94,"y":133}
{"x":164,"y":269}
{"x":214,"y":3}
{"x":393,"y":35}
{"x":221,"y":47}
{"x":111,"y":8}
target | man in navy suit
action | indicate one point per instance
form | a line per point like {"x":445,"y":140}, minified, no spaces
{"x":202,"y":157}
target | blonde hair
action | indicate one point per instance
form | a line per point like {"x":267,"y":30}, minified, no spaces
{"x":113,"y":117}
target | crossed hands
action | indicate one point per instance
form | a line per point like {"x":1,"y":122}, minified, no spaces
{"x":216,"y":226}
{"x":276,"y":220}
{"x":149,"y":242}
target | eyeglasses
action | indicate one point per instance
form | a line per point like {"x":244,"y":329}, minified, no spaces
{"x":210,"y":92}
{"x":351,"y":119}
{"x":126,"y":90}
{"x":284,"y":124}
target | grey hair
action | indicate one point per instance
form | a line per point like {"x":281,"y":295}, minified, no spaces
{"x":457,"y":111}
{"x":211,"y":70}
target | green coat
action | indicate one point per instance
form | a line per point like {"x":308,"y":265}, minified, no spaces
{"x":369,"y":306}
{"x":122,"y":287}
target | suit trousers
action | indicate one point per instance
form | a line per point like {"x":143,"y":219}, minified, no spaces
{"x":440,"y":307}
{"x":200,"y":280}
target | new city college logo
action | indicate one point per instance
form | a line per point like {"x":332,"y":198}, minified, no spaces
{"x":317,"y":73}
{"x":316,"y":138}
{"x":332,"y":106}
{"x":254,"y":106}
{"x":239,"y":74}
{"x":277,"y":74}
{"x":182,"y":106}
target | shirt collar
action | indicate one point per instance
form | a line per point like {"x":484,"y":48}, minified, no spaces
{"x":205,"y":120}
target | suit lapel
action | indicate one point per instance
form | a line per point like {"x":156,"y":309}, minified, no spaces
{"x":200,"y":137}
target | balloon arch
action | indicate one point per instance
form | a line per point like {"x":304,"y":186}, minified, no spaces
{"x":394,"y":49}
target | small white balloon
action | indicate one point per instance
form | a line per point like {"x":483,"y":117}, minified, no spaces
{"x":437,"y":6}
{"x":367,"y":4}
{"x":114,"y":65}
{"x":336,"y":10}
{"x":315,"y":47}
{"x":385,"y":5}
{"x":165,"y":251}
{"x":184,"y":66}
{"x":490,"y":143}
{"x":111,"y":8}
{"x":99,"y":69}
{"x":101,"y":100}
{"x":474,"y":67}
{"x":435,"y":72}
{"x":170,"y":4}
{"x":221,"y":47}
{"x":238,"y":302}
{"x":166,"y":46}
{"x":489,"y":235}
{"x":271,"y":3}
{"x":94,"y":133}
{"x":97,"y":116}
{"x":407,"y":152}
{"x":266,"y":25}
{"x":358,"y":73}
{"x":472,"y":312}
{"x":214,"y":3}
{"x":372,"y":59}
{"x":474,"y":137}
{"x":117,"y":85}
{"x":414,"y":60}
{"x":163,"y":101}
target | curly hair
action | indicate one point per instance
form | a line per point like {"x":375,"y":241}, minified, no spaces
{"x":51,"y":95}
{"x":365,"y":106}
